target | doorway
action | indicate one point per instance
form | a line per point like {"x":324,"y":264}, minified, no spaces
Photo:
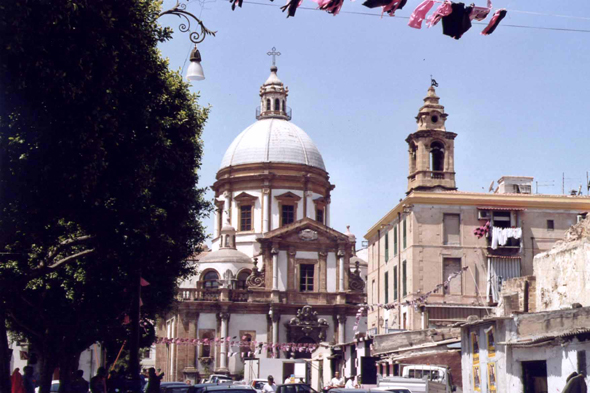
{"x":534,"y":376}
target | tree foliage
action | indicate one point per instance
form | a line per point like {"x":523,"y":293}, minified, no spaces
{"x":99,"y":151}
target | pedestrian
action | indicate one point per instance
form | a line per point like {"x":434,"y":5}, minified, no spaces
{"x":142,"y":378}
{"x":270,"y":386}
{"x":16,"y":381}
{"x":98,"y":383}
{"x":79,"y":384}
{"x":29,"y":380}
{"x":154,"y":379}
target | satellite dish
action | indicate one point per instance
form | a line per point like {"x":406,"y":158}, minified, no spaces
{"x":491,"y":186}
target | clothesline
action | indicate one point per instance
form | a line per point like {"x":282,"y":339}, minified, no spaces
{"x":476,"y":23}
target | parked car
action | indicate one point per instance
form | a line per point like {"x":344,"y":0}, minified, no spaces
{"x":295,"y":388}
{"x":166,"y":387}
{"x":218,"y":378}
{"x":258,"y":383}
{"x":221,"y":388}
{"x":54,"y":387}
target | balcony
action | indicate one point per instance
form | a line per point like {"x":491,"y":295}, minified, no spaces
{"x":265,"y":296}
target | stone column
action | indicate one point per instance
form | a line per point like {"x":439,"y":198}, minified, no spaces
{"x":267,"y":213}
{"x":275,"y":318}
{"x":327,"y":213}
{"x":341,"y":270}
{"x":226,"y":206}
{"x":275,"y":269}
{"x":341,"y":328}
{"x":224,"y":317}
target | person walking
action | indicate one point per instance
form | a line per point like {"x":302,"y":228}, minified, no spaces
{"x":98,"y":383}
{"x":16,"y":381}
{"x":154,"y":379}
{"x":29,"y":380}
{"x":79,"y":384}
{"x":270,"y":386}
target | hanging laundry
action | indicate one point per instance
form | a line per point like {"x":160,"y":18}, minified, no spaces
{"x":480,"y":13}
{"x":292,"y":7}
{"x":457,"y":22}
{"x":419,"y":14}
{"x":234,"y":3}
{"x":330,"y":6}
{"x":443,"y":10}
{"x":389,"y":6}
{"x":498,"y":16}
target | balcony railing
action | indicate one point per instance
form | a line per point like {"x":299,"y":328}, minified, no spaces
{"x":286,"y":114}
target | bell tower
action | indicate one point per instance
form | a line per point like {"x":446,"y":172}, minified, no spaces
{"x":431,"y":149}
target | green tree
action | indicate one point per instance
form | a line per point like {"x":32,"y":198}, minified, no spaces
{"x":99,"y":151}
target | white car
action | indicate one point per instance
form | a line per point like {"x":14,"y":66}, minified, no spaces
{"x":258,"y":383}
{"x":54,"y":387}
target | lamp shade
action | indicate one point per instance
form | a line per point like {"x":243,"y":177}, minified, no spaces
{"x":195,"y":71}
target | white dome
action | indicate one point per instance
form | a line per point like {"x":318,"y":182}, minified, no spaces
{"x":273,"y":140}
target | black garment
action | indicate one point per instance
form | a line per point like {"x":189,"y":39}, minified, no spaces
{"x":382,"y":3}
{"x":490,"y":29}
{"x":457,"y":22}
{"x":154,"y":383}
{"x":575,"y":384}
{"x":236,"y":2}
{"x":80,"y":385}
{"x":291,"y":6}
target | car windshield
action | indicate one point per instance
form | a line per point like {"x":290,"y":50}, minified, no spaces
{"x":258,"y":384}
{"x":55,"y":387}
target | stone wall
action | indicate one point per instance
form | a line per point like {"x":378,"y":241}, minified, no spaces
{"x":563,"y":275}
{"x":518,"y":295}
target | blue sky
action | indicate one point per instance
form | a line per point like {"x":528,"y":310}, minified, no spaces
{"x":517,"y":99}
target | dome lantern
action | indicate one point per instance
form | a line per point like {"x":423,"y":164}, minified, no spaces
{"x":273,"y":95}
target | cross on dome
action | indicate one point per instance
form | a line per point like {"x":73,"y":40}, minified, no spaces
{"x":273,"y":52}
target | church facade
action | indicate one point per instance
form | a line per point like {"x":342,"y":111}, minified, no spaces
{"x":277,"y":273}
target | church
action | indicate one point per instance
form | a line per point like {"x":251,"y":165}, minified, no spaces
{"x":278,"y":280}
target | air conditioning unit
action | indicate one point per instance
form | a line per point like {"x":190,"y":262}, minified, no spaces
{"x":483,"y":215}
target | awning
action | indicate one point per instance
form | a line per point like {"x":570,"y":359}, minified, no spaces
{"x":500,"y":208}
{"x":500,"y":270}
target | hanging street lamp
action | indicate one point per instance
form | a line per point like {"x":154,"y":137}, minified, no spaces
{"x":195,"y":69}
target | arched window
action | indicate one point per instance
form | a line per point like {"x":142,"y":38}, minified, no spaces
{"x":412,"y":151}
{"x":268,"y":104}
{"x":211,"y":280}
{"x":242,"y":277}
{"x":437,"y":156}
{"x":277,"y":105}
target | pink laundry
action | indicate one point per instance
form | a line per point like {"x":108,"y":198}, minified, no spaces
{"x":419,"y":14}
{"x":444,"y":9}
{"x":480,"y":13}
{"x":331,"y":6}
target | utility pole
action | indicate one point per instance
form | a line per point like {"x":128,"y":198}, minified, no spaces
{"x":135,"y":334}
{"x":563,"y":183}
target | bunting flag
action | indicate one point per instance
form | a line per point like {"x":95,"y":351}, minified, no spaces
{"x":414,"y":303}
{"x":143,"y":282}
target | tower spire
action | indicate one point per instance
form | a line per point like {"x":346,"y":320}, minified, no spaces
{"x":431,"y":148}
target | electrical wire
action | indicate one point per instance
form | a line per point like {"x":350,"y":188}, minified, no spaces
{"x":476,"y":23}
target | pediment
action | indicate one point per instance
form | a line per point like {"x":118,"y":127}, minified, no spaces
{"x":245,"y":197}
{"x":288,"y":197}
{"x":307,"y":231}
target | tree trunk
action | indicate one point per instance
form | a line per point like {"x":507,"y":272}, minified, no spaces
{"x":4,"y":354}
{"x":68,"y":365}
{"x":47,"y":365}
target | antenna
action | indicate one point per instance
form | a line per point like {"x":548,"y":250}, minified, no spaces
{"x":491,"y":186}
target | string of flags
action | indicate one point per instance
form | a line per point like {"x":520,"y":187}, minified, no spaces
{"x":413,"y":303}
{"x":456,"y":17}
{"x":233,"y":342}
